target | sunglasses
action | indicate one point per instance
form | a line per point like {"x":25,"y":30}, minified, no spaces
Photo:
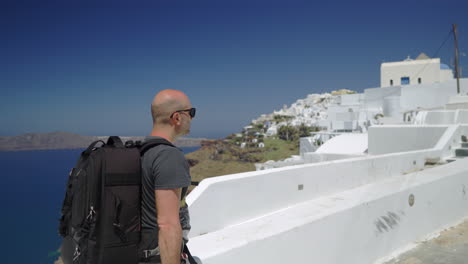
{"x":191,"y":112}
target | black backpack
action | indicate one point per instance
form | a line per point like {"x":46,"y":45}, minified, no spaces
{"x":100,"y":220}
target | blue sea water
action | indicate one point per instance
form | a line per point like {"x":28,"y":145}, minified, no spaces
{"x":33,"y":187}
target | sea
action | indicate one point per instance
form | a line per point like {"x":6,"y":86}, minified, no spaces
{"x":33,"y":187}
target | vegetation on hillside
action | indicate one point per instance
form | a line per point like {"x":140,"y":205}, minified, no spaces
{"x":239,"y":152}
{"x":224,"y":156}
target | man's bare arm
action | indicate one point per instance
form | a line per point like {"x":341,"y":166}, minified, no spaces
{"x":170,"y":231}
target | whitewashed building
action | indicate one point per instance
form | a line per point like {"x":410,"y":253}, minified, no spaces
{"x":406,"y":87}
{"x":422,"y":70}
{"x":386,"y":105}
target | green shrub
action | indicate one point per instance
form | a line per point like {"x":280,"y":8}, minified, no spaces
{"x":288,"y":133}
{"x":304,"y":131}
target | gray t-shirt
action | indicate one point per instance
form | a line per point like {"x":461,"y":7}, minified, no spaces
{"x":163,"y":167}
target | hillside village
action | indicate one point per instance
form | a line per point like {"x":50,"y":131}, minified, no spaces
{"x":270,"y":137}
{"x":305,"y":115}
{"x":317,"y":118}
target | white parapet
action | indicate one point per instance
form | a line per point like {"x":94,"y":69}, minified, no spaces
{"x":397,"y":138}
{"x":357,"y":226}
{"x":355,"y":210}
{"x":443,"y":117}
{"x":233,"y":199}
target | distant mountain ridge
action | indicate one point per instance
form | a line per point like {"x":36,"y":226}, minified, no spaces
{"x":66,"y":140}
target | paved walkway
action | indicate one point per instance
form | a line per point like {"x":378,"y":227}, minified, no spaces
{"x":451,"y":247}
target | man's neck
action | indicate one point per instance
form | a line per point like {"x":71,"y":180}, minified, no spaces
{"x":166,"y":135}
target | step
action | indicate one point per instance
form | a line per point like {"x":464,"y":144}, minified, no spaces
{"x":464,"y":145}
{"x":461,"y":152}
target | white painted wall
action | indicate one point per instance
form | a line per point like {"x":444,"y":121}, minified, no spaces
{"x":395,"y":138}
{"x":391,"y":107}
{"x":343,"y":117}
{"x":225,"y":198}
{"x":459,"y":101}
{"x":438,"y":117}
{"x":450,"y":140}
{"x":351,"y":99}
{"x":346,"y":116}
{"x":428,"y":70}
{"x":357,"y":226}
{"x":271,"y":164}
{"x":446,"y":75}
{"x":314,"y":157}
{"x":343,"y":125}
{"x":427,"y":96}
{"x":374,"y":97}
{"x":233,"y":199}
{"x":324,"y":123}
{"x":341,"y":109}
{"x":461,"y":117}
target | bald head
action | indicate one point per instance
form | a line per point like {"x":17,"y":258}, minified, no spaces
{"x":167,"y":102}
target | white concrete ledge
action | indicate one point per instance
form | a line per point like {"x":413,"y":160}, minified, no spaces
{"x":356,"y":226}
{"x":233,"y":199}
{"x":396,"y":138}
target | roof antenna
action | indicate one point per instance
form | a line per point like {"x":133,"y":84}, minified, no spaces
{"x":457,"y":73}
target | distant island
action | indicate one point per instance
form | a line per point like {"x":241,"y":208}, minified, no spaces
{"x":66,"y":140}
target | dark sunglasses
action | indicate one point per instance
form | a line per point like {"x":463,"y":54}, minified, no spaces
{"x":191,"y":112}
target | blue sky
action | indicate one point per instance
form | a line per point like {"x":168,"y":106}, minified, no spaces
{"x":93,"y":67}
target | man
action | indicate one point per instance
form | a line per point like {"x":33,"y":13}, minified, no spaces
{"x":165,"y":178}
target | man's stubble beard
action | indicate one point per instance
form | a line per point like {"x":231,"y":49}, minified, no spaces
{"x":186,"y":131}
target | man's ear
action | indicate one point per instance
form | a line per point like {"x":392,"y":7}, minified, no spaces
{"x":177,"y":117}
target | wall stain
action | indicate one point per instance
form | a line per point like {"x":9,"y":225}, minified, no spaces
{"x":387,"y":222}
{"x":381,"y":227}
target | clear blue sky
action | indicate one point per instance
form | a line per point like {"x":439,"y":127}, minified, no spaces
{"x":93,"y":67}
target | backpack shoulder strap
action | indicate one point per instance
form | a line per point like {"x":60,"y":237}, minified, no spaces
{"x":92,"y":147}
{"x":153,"y":143}
{"x":188,"y":255}
{"x":156,"y":142}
